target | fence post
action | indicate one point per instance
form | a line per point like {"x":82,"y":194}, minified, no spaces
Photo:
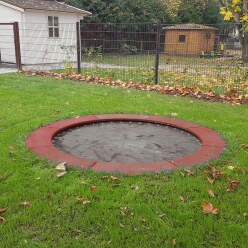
{"x":78,"y":47}
{"x":17,"y":45}
{"x":157,"y":54}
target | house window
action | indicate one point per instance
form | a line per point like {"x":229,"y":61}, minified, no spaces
{"x":53,"y":26}
{"x":182,"y":38}
{"x":208,"y":36}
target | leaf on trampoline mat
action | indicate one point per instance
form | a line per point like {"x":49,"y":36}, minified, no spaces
{"x":61,"y":166}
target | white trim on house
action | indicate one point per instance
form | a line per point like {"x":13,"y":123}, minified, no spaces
{"x":87,"y":13}
{"x":12,"y":6}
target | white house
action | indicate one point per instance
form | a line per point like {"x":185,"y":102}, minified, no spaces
{"x":47,"y":30}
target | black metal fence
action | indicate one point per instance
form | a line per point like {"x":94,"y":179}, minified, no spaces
{"x":206,"y":57}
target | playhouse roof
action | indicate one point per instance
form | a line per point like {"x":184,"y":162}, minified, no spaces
{"x":189,"y":26}
{"x":48,"y":5}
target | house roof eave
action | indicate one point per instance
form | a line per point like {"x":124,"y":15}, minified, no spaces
{"x":12,"y":6}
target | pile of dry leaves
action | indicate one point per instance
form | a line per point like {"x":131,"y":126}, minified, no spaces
{"x":232,"y":96}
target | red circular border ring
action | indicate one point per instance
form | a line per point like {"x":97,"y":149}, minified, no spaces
{"x":212,"y":145}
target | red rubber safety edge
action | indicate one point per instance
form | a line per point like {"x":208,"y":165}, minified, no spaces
{"x":40,"y":142}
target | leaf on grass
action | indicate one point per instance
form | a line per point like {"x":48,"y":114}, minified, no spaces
{"x":174,"y":241}
{"x":3,"y":220}
{"x":174,"y":114}
{"x":182,"y":199}
{"x":188,"y":172}
{"x":61,"y":166}
{"x":230,"y":167}
{"x":110,"y":178}
{"x":217,"y":174}
{"x":93,"y":188}
{"x":182,"y":174}
{"x":134,"y":187}
{"x":61,"y":174}
{"x":113,"y":178}
{"x":83,"y":200}
{"x":242,"y":170}
{"x":211,"y":181}
{"x":234,"y":185}
{"x":4,"y":210}
{"x":25,"y":203}
{"x":211,"y":193}
{"x":208,"y":208}
{"x":245,"y":146}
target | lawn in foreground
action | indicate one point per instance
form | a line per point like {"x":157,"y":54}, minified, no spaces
{"x":154,"y":210}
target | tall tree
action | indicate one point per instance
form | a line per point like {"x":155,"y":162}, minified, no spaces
{"x":237,"y":11}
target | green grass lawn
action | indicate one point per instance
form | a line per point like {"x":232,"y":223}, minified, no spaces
{"x":133,"y":211}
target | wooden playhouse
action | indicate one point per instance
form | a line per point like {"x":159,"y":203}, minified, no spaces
{"x":189,"y":39}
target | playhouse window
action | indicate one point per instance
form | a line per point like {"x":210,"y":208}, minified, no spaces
{"x":182,"y":38}
{"x":53,"y":26}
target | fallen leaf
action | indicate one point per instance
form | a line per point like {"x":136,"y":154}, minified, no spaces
{"x":121,"y":225}
{"x":113,"y":178}
{"x":4,"y":210}
{"x":182,"y":199}
{"x":217,"y":174}
{"x":182,"y":174}
{"x":3,"y":220}
{"x":174,"y":241}
{"x":93,"y":188}
{"x":83,"y":200}
{"x":242,"y":170}
{"x":134,"y":187}
{"x":234,"y":185}
{"x":230,"y":167}
{"x":61,"y":174}
{"x":208,"y":208}
{"x":245,"y":146}
{"x":174,"y":114}
{"x":211,"y":181}
{"x":188,"y":172}
{"x":25,"y":203}
{"x":211,"y":193}
{"x":61,"y":166}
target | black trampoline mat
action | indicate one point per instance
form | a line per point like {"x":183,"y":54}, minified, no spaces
{"x":127,"y":142}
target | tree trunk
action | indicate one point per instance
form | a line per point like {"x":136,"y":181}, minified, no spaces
{"x":244,"y":43}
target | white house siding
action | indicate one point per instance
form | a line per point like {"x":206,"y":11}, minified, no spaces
{"x":7,"y":47}
{"x":39,"y":48}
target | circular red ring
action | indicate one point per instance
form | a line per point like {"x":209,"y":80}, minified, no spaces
{"x":40,"y":142}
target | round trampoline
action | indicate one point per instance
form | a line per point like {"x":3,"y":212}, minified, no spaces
{"x":128,"y":144}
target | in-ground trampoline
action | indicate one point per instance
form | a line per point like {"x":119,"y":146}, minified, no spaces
{"x":126,"y":143}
